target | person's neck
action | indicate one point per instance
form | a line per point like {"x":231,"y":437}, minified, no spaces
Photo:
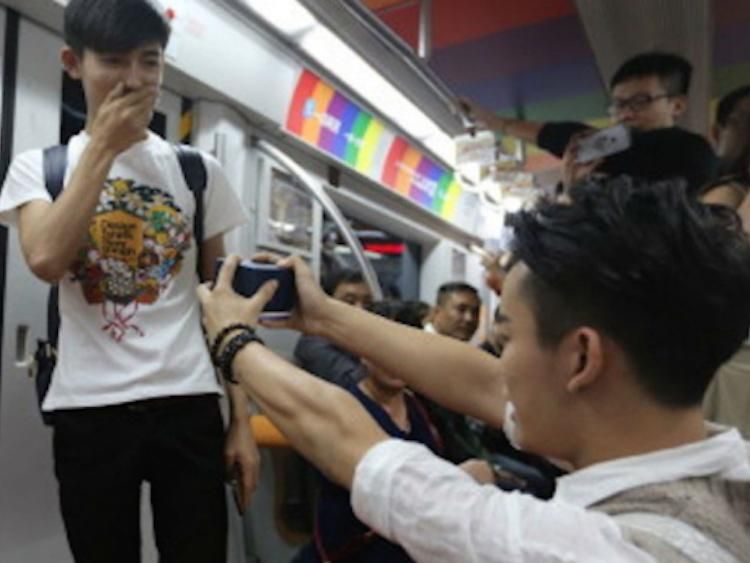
{"x":639,"y":431}
{"x":381,"y":394}
{"x":392,"y":400}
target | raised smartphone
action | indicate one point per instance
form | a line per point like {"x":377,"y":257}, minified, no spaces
{"x":250,"y":276}
{"x":603,"y":143}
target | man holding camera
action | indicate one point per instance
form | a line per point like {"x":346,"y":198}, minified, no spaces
{"x":605,"y":368}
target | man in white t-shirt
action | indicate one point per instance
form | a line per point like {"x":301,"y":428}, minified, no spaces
{"x":614,"y":333}
{"x":134,"y":395}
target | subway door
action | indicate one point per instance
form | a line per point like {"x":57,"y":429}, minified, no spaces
{"x":30,"y":525}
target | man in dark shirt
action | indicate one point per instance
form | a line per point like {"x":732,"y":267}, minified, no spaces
{"x":647,"y":93}
{"x":318,"y":355}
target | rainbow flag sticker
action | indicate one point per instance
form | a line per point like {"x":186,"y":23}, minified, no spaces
{"x":328,"y":120}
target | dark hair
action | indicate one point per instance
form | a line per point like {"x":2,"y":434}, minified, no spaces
{"x":337,"y":277}
{"x":114,"y":26}
{"x":673,"y":70}
{"x":661,"y":274}
{"x":413,"y":313}
{"x":665,"y":154}
{"x":396,"y":310}
{"x":454,"y":287}
{"x":729,"y":102}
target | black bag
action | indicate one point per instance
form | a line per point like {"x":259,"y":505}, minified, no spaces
{"x":55,"y":161}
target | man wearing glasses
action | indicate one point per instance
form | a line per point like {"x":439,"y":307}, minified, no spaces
{"x":648,"y":92}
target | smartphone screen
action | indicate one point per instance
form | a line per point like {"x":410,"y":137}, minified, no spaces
{"x":603,"y":143}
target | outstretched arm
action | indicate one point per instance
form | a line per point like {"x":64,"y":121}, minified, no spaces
{"x":323,"y":422}
{"x":520,"y":129}
{"x":454,"y":374}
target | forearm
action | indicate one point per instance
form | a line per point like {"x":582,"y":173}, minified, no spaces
{"x":52,"y":235}
{"x":238,"y":405}
{"x":454,"y":374}
{"x":323,"y":422}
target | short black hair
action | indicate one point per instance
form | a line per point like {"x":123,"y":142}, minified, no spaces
{"x":665,"y":154}
{"x":395,"y":310}
{"x":454,"y":287}
{"x":729,"y":102}
{"x":674,"y":71}
{"x":114,"y":26}
{"x":339,"y":276}
{"x":413,"y":312}
{"x":661,"y":274}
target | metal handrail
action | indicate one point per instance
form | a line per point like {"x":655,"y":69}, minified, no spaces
{"x":316,"y":190}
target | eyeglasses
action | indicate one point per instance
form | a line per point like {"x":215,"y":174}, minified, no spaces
{"x":636,"y":103}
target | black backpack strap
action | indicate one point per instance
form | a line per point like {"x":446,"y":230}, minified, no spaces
{"x":54,"y":162}
{"x":196,"y":177}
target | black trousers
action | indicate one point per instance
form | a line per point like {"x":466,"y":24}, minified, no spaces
{"x":102,"y":455}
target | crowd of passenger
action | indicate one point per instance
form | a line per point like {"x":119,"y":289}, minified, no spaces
{"x":573,"y":430}
{"x":649,"y":93}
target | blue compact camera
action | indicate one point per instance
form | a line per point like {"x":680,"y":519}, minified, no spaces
{"x":250,"y":276}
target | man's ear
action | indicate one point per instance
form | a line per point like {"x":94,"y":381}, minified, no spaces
{"x":679,"y":105}
{"x":586,"y":358}
{"x":71,"y":62}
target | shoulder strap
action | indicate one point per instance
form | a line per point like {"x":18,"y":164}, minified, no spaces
{"x":54,"y":162}
{"x":196,"y":177}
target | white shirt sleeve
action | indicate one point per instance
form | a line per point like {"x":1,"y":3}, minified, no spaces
{"x":436,"y":512}
{"x":23,"y":183}
{"x":224,"y":211}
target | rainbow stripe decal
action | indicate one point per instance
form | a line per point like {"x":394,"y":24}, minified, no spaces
{"x":331,"y":122}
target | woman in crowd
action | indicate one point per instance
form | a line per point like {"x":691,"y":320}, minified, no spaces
{"x":732,"y":138}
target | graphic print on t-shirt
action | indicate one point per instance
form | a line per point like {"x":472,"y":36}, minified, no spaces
{"x":136,"y":242}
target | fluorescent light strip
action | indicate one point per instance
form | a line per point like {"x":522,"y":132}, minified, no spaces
{"x":293,"y":20}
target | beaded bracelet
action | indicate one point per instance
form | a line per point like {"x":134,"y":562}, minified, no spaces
{"x":222,"y":335}
{"x":235,"y":344}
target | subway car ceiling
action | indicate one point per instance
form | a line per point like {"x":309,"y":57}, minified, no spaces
{"x":547,"y":59}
